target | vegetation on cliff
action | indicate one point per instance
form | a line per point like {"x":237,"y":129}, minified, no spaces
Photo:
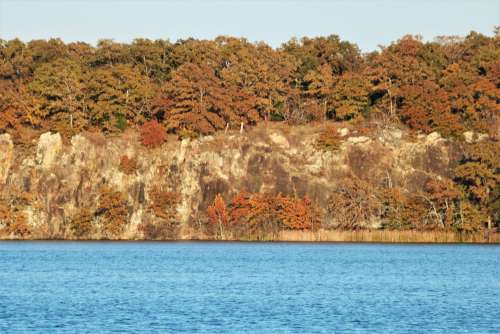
{"x":194,"y":88}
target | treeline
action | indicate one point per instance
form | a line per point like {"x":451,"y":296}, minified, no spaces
{"x":200,"y":86}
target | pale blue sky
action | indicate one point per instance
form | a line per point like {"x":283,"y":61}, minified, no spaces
{"x":367,"y":23}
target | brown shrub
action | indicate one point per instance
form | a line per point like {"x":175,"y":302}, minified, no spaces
{"x":18,"y":226}
{"x":128,"y":165}
{"x":96,"y":137}
{"x":113,"y":209}
{"x":162,"y":230}
{"x":4,"y":211}
{"x":163,"y":205}
{"x":353,"y":204}
{"x":152,"y":134}
{"x":12,"y":218}
{"x":187,"y":133}
{"x":329,"y":139}
{"x":81,"y":224}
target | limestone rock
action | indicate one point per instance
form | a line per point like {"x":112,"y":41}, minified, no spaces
{"x":474,"y":137}
{"x":469,"y":136}
{"x":48,"y":149}
{"x":343,"y":132}
{"x":279,"y":140}
{"x":433,"y":138}
{"x":6,"y":156}
{"x":391,"y":136}
{"x":358,"y":140}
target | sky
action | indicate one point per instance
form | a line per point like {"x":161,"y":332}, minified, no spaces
{"x":364,"y":22}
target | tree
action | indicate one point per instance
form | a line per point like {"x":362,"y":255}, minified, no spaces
{"x":320,"y":86}
{"x":444,"y":200}
{"x":152,"y":58}
{"x":479,"y":175}
{"x":18,"y":108}
{"x":218,"y":216}
{"x":260,"y":72}
{"x":15,"y":60}
{"x":60,"y":87}
{"x":109,"y":53}
{"x":297,"y":213}
{"x":350,"y":96}
{"x":196,"y":98}
{"x":118,"y":92}
{"x":353,"y":204}
{"x":340,"y":55}
{"x":394,"y":67}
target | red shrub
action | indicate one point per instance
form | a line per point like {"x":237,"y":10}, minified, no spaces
{"x":152,"y":134}
{"x":262,"y":210}
{"x":218,"y":216}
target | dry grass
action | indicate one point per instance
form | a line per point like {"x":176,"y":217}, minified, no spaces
{"x":407,"y":236}
{"x":384,"y":236}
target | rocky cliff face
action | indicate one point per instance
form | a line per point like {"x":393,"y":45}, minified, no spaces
{"x":60,"y":179}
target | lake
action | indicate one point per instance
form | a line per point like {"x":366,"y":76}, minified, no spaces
{"x":190,"y":287}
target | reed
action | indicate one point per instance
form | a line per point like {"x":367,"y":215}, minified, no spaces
{"x":394,"y":236}
{"x":384,"y":236}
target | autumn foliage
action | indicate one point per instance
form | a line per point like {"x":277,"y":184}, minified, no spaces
{"x":152,"y":134}
{"x":164,"y":224}
{"x":112,"y":209}
{"x":218,"y":216}
{"x":449,"y":85}
{"x":128,"y":165}
{"x":82,"y":223}
{"x":250,"y":213}
{"x":329,"y":139}
{"x":13,"y":220}
{"x":440,"y":205}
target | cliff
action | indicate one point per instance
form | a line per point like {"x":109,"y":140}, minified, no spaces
{"x":49,"y":185}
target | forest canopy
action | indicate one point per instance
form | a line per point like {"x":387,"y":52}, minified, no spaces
{"x":449,"y":85}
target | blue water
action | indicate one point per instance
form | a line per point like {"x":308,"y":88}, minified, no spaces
{"x":64,"y":287}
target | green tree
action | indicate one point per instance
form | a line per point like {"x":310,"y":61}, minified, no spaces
{"x":152,"y":58}
{"x":59,"y":85}
{"x":116,"y":92}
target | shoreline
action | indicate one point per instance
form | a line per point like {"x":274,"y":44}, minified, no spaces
{"x":320,"y":237}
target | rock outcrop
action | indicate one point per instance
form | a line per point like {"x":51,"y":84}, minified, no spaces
{"x":6,"y":155}
{"x":63,"y":179}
